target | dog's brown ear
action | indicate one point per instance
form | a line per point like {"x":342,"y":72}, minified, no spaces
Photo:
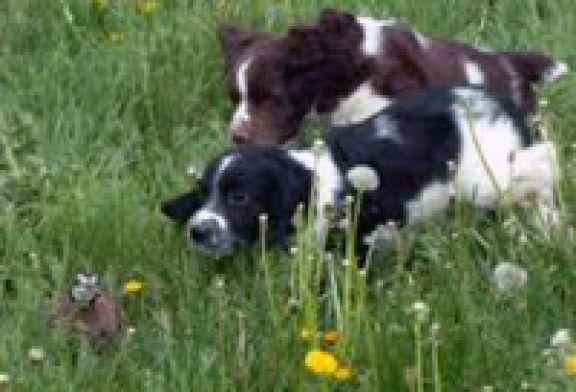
{"x":404,"y":68}
{"x":234,"y":41}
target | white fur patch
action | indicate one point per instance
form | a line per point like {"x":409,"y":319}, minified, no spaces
{"x":474,"y":74}
{"x":422,"y":40}
{"x":241,"y":113}
{"x":387,"y":129}
{"x":329,"y":182}
{"x":226,"y":161}
{"x":329,"y":179}
{"x":431,"y":200}
{"x":489,"y":140}
{"x":207,"y":212}
{"x":372,"y":29}
{"x":358,"y":106}
{"x":555,"y":72}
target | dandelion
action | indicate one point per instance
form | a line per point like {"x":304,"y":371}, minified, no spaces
{"x":363,"y":178}
{"x":318,"y":146}
{"x":331,"y":336}
{"x":193,"y":173}
{"x":133,"y":286}
{"x":561,"y":339}
{"x":321,"y":362}
{"x":508,"y":276}
{"x":130,"y":331}
{"x":569,"y":365}
{"x":420,"y":310}
{"x":343,"y":373}
{"x":115,"y":36}
{"x":219,"y":282}
{"x":36,"y":355}
{"x":435,"y":332}
{"x":4,"y":380}
{"x":147,"y":7}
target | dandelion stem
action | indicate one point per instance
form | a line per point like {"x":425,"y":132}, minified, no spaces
{"x":418,"y":354}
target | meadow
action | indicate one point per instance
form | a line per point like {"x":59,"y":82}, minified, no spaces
{"x":105,"y":104}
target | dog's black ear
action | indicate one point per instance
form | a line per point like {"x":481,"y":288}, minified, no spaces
{"x":182,"y":207}
{"x":294,"y":184}
{"x":234,"y":41}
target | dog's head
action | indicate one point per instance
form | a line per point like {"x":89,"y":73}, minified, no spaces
{"x":274,"y":82}
{"x":235,"y":191}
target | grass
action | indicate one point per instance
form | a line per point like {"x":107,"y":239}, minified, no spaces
{"x":102,"y":110}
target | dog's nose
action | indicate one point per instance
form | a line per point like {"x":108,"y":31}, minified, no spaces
{"x":203,"y":231}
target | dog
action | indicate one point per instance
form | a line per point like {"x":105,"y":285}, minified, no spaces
{"x":423,"y":150}
{"x":349,"y":67}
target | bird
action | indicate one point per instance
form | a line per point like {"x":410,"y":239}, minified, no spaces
{"x":86,"y":309}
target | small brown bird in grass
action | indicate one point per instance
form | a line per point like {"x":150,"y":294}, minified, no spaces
{"x":87,"y":309}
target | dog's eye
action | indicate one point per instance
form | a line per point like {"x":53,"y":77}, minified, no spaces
{"x":238,"y":198}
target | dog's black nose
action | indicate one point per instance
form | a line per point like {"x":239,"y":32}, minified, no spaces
{"x":202,"y":232}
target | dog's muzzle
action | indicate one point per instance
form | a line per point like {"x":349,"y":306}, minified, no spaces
{"x":209,"y":232}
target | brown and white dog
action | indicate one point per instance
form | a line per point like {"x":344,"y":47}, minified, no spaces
{"x":349,"y":67}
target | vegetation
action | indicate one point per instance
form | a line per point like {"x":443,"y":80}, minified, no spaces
{"x":103,"y":106}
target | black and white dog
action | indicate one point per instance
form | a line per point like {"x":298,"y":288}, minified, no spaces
{"x":423,"y":149}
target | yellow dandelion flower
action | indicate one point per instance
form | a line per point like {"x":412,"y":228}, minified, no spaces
{"x":115,"y":36}
{"x":569,"y":365}
{"x":305,"y":333}
{"x":321,"y":362}
{"x":331,"y":336}
{"x":343,"y":373}
{"x":147,"y":7}
{"x":133,"y":286}
{"x":100,"y":4}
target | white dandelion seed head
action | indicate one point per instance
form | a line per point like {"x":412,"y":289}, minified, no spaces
{"x":362,"y":272}
{"x":420,"y":310}
{"x":263,"y":218}
{"x":36,"y":354}
{"x":345,"y":262}
{"x":363,"y":178}
{"x":435,"y":332}
{"x":193,"y":172}
{"x":561,"y":338}
{"x":508,"y":276}
{"x":294,"y":250}
{"x":318,"y":146}
{"x":526,"y":385}
{"x":522,"y":238}
{"x":293,"y":303}
{"x":219,"y":282}
{"x":4,"y":378}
